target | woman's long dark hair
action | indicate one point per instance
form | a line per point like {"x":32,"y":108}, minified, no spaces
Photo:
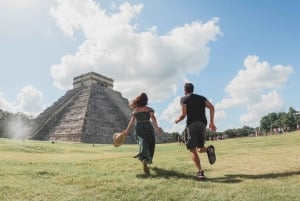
{"x":139,"y":101}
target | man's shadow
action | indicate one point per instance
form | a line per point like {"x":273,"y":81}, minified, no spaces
{"x":229,"y":178}
{"x":236,"y":178}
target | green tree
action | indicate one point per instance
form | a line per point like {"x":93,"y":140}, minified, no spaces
{"x":282,"y":119}
{"x":273,"y":117}
{"x":298,"y":117}
{"x":265,"y":124}
{"x":246,"y":131}
{"x":291,"y":117}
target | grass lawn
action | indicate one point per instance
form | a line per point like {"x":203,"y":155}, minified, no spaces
{"x":254,"y":168}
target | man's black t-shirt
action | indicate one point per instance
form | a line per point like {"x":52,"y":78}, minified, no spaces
{"x":195,"y":106}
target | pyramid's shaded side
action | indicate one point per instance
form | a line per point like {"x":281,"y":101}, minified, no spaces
{"x":89,"y":114}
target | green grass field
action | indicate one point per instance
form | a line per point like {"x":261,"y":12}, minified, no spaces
{"x":257,"y":168}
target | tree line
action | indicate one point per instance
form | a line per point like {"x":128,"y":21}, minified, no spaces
{"x":269,"y":124}
{"x":280,"y":122}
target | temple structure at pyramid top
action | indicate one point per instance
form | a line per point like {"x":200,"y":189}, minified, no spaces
{"x":93,"y":78}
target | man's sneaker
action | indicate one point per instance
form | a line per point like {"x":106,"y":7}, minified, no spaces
{"x":211,"y":154}
{"x":145,"y":166}
{"x":200,"y":175}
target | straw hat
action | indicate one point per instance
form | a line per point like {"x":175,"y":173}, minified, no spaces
{"x":119,"y":139}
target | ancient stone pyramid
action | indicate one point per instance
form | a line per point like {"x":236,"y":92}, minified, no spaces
{"x":91,"y":112}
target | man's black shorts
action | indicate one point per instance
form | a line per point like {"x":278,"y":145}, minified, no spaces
{"x":195,"y":135}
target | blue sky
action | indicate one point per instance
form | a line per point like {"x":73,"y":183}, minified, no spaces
{"x":242,"y":55}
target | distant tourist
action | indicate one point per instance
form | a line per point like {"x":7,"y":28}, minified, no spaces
{"x":193,"y":107}
{"x":145,"y":129}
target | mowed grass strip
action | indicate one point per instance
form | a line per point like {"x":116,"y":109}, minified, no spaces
{"x":256,"y":168}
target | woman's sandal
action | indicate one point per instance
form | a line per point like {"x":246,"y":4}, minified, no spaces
{"x":145,"y":166}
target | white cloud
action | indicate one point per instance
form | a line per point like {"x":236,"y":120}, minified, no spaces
{"x":137,"y":61}
{"x":255,"y":87}
{"x":29,"y":101}
{"x":271,"y":102}
{"x":219,"y":115}
{"x":172,"y":111}
{"x":231,"y":102}
{"x":257,"y":77}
